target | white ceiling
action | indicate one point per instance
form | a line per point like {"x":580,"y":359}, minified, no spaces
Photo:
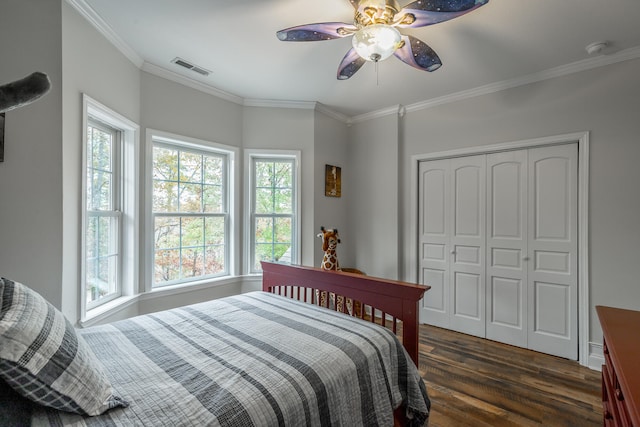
{"x":502,"y":44}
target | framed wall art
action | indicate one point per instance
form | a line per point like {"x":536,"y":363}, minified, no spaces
{"x":332,"y":181}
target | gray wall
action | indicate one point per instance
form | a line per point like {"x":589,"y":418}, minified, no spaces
{"x":330,"y":144}
{"x":31,"y":207}
{"x":373,"y":206}
{"x":172,"y":107}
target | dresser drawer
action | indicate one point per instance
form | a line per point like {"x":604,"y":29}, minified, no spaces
{"x":623,"y":412}
{"x":609,"y":407}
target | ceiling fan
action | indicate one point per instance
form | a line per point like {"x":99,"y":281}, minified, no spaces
{"x":375,"y":31}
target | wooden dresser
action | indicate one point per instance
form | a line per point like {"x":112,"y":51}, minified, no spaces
{"x":621,"y":371}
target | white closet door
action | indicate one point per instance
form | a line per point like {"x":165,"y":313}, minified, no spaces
{"x":434,"y":225}
{"x":467,"y":263}
{"x":552,"y":248}
{"x":507,"y":247}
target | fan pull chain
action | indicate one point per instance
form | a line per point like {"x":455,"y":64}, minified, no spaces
{"x":377,"y":74}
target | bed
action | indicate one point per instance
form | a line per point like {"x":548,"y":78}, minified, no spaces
{"x":264,"y":358}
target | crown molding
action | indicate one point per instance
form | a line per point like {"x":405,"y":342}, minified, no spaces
{"x":334,"y":114}
{"x":302,"y":105}
{"x":563,"y":70}
{"x":202,"y":87}
{"x":396,"y":109}
{"x":103,"y":28}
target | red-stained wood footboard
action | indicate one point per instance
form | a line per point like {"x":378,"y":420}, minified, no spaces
{"x":390,"y":300}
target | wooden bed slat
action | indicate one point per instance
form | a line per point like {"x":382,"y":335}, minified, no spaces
{"x":387,"y":297}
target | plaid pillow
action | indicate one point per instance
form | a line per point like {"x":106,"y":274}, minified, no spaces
{"x":43,"y":358}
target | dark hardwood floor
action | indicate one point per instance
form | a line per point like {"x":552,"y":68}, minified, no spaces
{"x":477,"y":382}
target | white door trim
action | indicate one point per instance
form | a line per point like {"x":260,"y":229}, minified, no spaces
{"x":582,"y":139}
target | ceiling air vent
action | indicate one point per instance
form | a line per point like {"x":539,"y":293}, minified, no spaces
{"x":186,"y":64}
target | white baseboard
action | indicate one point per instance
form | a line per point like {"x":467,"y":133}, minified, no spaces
{"x":596,"y":356}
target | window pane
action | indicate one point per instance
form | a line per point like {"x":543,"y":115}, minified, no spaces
{"x":100,"y":163}
{"x":282,"y":232}
{"x":282,"y":174}
{"x":214,"y":260}
{"x":283,"y":201}
{"x":192,"y":262}
{"x":167,"y":265}
{"x":101,"y":263}
{"x":263,"y":173}
{"x":165,"y":164}
{"x":214,"y":231}
{"x":213,"y":199}
{"x":99,"y":191}
{"x":279,"y":250}
{"x":107,"y":237}
{"x":213,"y":170}
{"x":192,"y":232}
{"x":190,"y":197}
{"x":165,"y":196}
{"x":264,"y":200}
{"x":167,"y":232}
{"x":190,"y":167}
{"x":263,"y":230}
{"x":107,"y":270}
{"x":264,"y":252}
{"x":100,"y":280}
{"x":100,"y":149}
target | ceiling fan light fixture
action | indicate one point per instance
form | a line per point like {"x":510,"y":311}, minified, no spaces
{"x":376,"y":42}
{"x":375,"y":32}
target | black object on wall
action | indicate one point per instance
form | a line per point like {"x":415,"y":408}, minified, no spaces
{"x":1,"y":137}
{"x":20,"y":93}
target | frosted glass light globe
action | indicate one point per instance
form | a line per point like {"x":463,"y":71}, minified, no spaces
{"x":376,"y":42}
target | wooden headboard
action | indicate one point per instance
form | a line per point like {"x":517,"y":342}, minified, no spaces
{"x":389,"y":301}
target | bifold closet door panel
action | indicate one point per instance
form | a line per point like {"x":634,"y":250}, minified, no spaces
{"x":507,"y":256}
{"x":434,"y":248}
{"x":553,"y":248}
{"x":467,"y":262}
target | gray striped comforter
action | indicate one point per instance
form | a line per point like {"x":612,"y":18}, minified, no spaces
{"x":255,"y":359}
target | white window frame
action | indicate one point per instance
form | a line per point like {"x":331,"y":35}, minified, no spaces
{"x":249,"y":242}
{"x":127,"y":194}
{"x":198,"y":145}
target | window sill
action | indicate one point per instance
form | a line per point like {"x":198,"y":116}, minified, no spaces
{"x":96,"y":315}
{"x":190,"y":286}
{"x":99,"y":314}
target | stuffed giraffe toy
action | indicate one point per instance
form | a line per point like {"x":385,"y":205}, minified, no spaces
{"x":330,"y":240}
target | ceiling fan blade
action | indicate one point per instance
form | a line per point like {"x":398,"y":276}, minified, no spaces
{"x":350,"y":64}
{"x":316,"y":32}
{"x":418,"y":54}
{"x":421,"y":13}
